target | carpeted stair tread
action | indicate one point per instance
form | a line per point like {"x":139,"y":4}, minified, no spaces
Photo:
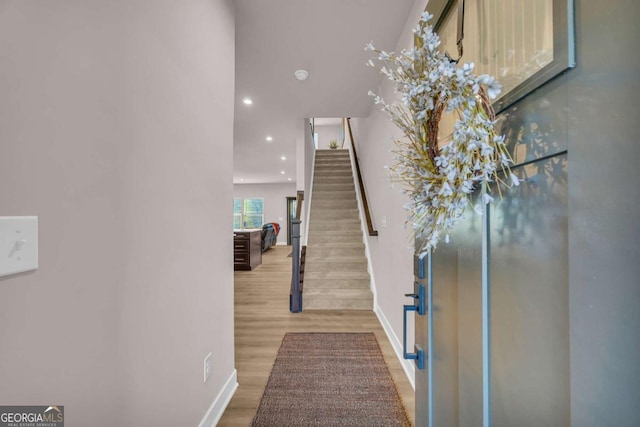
{"x":335,"y":179}
{"x":334,"y":187}
{"x":338,"y":238}
{"x":338,"y":299}
{"x":319,"y":214}
{"x":354,"y":274}
{"x":334,"y":266}
{"x":329,"y":251}
{"x":338,"y":283}
{"x":355,"y":256}
{"x":321,"y":225}
{"x":342,"y":245}
{"x":334,"y":195}
{"x":334,"y":204}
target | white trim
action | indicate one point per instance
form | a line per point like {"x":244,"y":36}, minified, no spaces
{"x":215,"y":411}
{"x":365,"y":231}
{"x":307,"y":214}
{"x":281,"y":243}
{"x":407,"y":365}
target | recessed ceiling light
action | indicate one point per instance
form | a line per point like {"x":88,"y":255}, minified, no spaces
{"x":283,"y":158}
{"x":288,"y":179}
{"x":241,"y":179}
{"x":269,"y":138}
{"x":301,"y":74}
{"x":247,"y":101}
{"x":282,"y":172}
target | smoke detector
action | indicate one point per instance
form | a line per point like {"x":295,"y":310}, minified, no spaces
{"x":301,"y":74}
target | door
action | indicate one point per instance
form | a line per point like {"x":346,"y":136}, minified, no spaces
{"x":449,"y":390}
{"x":291,"y":214}
{"x":496,"y":331}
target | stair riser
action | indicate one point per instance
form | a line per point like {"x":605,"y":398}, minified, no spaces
{"x":343,"y":179}
{"x":323,"y":228}
{"x":335,"y":239}
{"x":344,"y":215}
{"x":347,"y":217}
{"x":341,"y":233}
{"x":320,"y":226}
{"x":326,"y":172}
{"x":332,"y":172}
{"x":320,"y":219}
{"x":334,"y":195}
{"x":332,"y":164}
{"x":324,"y":246}
{"x":332,"y":214}
{"x":331,"y":252}
{"x":330,"y":275}
{"x":335,"y":152}
{"x":323,"y":169}
{"x":337,"y":263}
{"x":333,"y":160}
{"x":312,"y":267}
{"x":342,"y":189}
{"x":321,"y":174}
{"x":352,"y":221}
{"x":314,"y":304}
{"x":358,"y":259}
{"x":334,"y":187}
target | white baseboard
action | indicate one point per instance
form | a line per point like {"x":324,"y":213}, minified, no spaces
{"x":221,"y":401}
{"x":281,"y":243}
{"x":407,"y":365}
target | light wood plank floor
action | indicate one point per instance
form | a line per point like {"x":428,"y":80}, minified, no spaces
{"x":262,"y":318}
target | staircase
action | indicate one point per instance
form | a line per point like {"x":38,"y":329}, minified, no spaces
{"x":336,"y":274}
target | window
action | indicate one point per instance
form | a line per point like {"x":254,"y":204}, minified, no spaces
{"x":523,"y":44}
{"x":248,"y":212}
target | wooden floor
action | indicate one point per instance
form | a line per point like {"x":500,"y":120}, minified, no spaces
{"x":262,"y":318}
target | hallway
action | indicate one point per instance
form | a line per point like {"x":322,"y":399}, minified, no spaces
{"x":262,"y":318}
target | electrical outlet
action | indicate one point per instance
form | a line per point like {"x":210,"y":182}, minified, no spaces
{"x":208,"y":367}
{"x":383,"y":220}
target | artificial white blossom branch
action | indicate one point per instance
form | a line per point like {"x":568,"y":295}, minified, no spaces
{"x":439,"y":180}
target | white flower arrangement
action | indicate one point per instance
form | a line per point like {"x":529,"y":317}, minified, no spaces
{"x":440,"y":181}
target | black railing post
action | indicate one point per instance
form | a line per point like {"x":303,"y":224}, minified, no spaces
{"x":295,"y":296}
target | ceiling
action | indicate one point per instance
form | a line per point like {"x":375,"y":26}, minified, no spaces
{"x":274,"y":38}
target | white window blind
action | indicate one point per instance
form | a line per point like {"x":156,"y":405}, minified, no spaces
{"x":508,"y":39}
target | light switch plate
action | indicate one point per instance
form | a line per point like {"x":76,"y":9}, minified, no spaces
{"x":18,"y":244}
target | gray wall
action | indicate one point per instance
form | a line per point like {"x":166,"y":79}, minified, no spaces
{"x":116,"y":129}
{"x":327,"y":133}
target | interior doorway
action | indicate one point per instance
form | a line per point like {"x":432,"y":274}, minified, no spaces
{"x":291,"y":214}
